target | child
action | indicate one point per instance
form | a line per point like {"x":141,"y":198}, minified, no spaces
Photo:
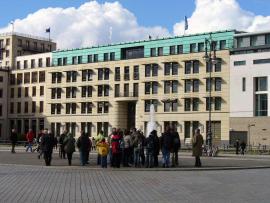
{"x":103,"y":150}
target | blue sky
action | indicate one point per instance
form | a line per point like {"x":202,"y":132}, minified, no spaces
{"x":148,"y":12}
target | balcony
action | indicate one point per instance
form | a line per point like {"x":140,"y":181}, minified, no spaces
{"x":126,"y":96}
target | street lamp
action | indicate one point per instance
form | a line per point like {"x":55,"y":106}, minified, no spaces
{"x":249,"y":126}
{"x":211,"y":60}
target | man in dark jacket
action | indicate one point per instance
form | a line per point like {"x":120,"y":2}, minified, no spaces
{"x":156,"y":149}
{"x":84,"y":144}
{"x":150,"y":149}
{"x":62,"y":146}
{"x":47,"y":143}
{"x":166,"y":146}
{"x":176,"y":144}
{"x":13,"y":140}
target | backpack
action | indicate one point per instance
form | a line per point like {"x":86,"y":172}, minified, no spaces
{"x":115,"y":144}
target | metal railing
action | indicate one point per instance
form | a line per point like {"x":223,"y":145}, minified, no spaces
{"x":127,"y":94}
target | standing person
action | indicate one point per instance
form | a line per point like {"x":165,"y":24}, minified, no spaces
{"x":69,"y":147}
{"x":39,"y":148}
{"x":127,"y":148}
{"x":243,"y":147}
{"x":116,"y":151}
{"x":30,"y":139}
{"x":166,"y":146}
{"x":237,"y":146}
{"x":156,"y":149}
{"x":150,"y":149}
{"x":103,"y":150}
{"x":83,"y":143}
{"x":47,"y":143}
{"x":176,"y":146}
{"x":13,"y":140}
{"x":138,"y":143}
{"x":110,"y":144}
{"x":98,"y":139}
{"x":89,"y":150}
{"x":93,"y":143}
{"x":61,"y":142}
{"x":197,"y":143}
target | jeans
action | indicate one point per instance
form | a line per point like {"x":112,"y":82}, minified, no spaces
{"x":83,"y":156}
{"x":48,"y":158}
{"x":104,"y":161}
{"x":166,"y":157}
{"x":69,"y":156}
{"x":149,"y":158}
{"x":175,"y":158}
{"x":139,"y":158}
{"x":29,"y":146}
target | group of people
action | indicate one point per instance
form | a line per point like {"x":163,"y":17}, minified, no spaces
{"x":126,"y":148}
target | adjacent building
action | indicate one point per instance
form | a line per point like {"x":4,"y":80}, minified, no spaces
{"x":249,"y":88}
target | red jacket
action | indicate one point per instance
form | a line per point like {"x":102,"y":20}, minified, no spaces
{"x":30,"y":136}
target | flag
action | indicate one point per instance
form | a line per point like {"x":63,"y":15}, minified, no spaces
{"x":186,"y":23}
{"x":48,"y":30}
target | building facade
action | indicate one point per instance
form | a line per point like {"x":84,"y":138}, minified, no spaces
{"x":249,"y":88}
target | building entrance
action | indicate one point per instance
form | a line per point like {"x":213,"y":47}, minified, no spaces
{"x":131,"y":115}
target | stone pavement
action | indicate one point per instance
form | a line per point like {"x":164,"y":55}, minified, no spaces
{"x":75,"y":184}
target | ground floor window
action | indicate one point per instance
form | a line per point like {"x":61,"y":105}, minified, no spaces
{"x":103,"y":126}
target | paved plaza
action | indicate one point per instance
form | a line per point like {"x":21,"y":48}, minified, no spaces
{"x":24,"y":178}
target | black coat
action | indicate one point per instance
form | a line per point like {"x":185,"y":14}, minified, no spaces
{"x":47,"y":143}
{"x":84,"y":143}
{"x":176,"y":141}
{"x":13,"y":138}
{"x":166,"y":141}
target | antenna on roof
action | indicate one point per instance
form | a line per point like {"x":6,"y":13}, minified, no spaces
{"x":110,"y":35}
{"x":12,"y":24}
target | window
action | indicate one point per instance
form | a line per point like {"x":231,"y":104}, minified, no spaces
{"x":12,"y":79}
{"x":218,"y":82}
{"x":201,"y":47}
{"x":26,"y":91}
{"x":192,"y":48}
{"x":87,"y":75}
{"x":106,"y":73}
{"x":179,"y":49}
{"x":172,"y":50}
{"x":218,"y":103}
{"x":174,"y":86}
{"x":71,"y":76}
{"x":208,"y":103}
{"x":19,"y":92}
{"x":153,"y":52}
{"x":154,"y":87}
{"x":154,"y":69}
{"x":103,"y":107}
{"x":19,"y":108}
{"x":187,"y":104}
{"x":19,"y":78}
{"x":41,"y":104}
{"x":11,"y":110}
{"x":132,"y":52}
{"x":116,"y":90}
{"x":53,"y":109}
{"x":188,"y":65}
{"x":34,"y":78}
{"x":167,"y":68}
{"x":135,"y":89}
{"x":79,"y":59}
{"x":261,"y":105}
{"x":147,"y":104}
{"x":148,"y":70}
{"x":167,"y":106}
{"x":117,"y":75}
{"x":136,"y":73}
{"x":261,"y":84}
{"x":106,"y":57}
{"x":40,"y":64}
{"x":42,"y":76}
{"x":34,"y":91}
{"x":187,"y":128}
{"x":100,"y":74}
{"x":48,"y":62}
{"x":74,"y":60}
{"x":208,"y":84}
{"x":95,"y":57}
{"x":196,"y":66}
{"x":188,"y":85}
{"x":126,"y":73}
{"x":25,"y":107}
{"x":267,"y":39}
{"x":160,"y":51}
{"x":33,"y":63}
{"x":18,"y":65}
{"x":33,"y":107}
{"x":126,"y":90}
{"x":167,"y":87}
{"x":1,"y":93}
{"x":239,"y":63}
{"x":243,"y":84}
{"x":196,"y":85}
{"x":195,"y":104}
{"x":26,"y":78}
{"x":112,"y":56}
{"x":25,"y":64}
{"x":41,"y":91}
{"x":222,"y":44}
{"x":261,"y":61}
{"x":73,"y":108}
{"x":218,"y":65}
{"x":175,"y":68}
{"x":89,"y":58}
{"x":59,"y":62}
{"x":147,"y":88}
{"x":257,"y":40}
{"x":12,"y":92}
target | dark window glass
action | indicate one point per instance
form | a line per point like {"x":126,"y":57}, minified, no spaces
{"x":79,"y":59}
{"x":147,"y":88}
{"x":112,"y":56}
{"x":218,"y":103}
{"x":180,"y":49}
{"x":187,"y":104}
{"x":126,"y":73}
{"x":153,"y":51}
{"x":175,"y":67}
{"x":117,"y":74}
{"x":174,"y":86}
{"x":167,"y":68}
{"x":192,"y":48}
{"x":222,"y":44}
{"x":196,"y":85}
{"x":188,"y":85}
{"x":195,"y":104}
{"x":95,"y":57}
{"x":136,"y":73}
{"x":154,"y":87}
{"x":218,"y":83}
{"x":148,"y":70}
{"x":132,"y":52}
{"x":196,"y":66}
{"x":201,"y":47}
{"x":90,"y":58}
{"x":154,"y":69}
{"x":160,"y":51}
{"x":106,"y":57}
{"x":167,"y":87}
{"x":188,"y":65}
{"x":172,"y":50}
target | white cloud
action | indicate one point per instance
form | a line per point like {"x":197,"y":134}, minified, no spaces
{"x":86,"y":25}
{"x":213,"y":15}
